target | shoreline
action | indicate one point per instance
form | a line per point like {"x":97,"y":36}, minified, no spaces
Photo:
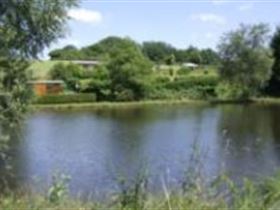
{"x":98,"y":105}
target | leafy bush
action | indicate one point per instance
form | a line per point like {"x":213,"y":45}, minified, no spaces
{"x":230,"y":91}
{"x":192,"y":81}
{"x":183,"y":71}
{"x":59,"y":189}
{"x":124,"y":95}
{"x":69,"y":73}
{"x":71,"y":98}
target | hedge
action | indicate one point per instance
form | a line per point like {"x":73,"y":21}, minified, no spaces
{"x":70,"y":98}
{"x":190,"y":82}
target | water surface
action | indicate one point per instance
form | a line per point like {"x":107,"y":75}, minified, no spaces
{"x":96,"y":147}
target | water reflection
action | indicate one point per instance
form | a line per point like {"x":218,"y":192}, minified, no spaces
{"x":93,"y":147}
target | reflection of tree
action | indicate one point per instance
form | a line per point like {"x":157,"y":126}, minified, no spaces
{"x":244,"y":125}
{"x":245,"y":134}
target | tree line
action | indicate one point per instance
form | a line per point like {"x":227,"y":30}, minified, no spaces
{"x":156,"y":51}
{"x":247,"y":60}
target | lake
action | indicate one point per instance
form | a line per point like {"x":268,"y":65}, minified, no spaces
{"x":97,"y":147}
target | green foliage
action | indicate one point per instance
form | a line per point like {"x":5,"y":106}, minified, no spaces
{"x":128,"y":69}
{"x":59,"y":188}
{"x":70,"y":98}
{"x":232,"y":91}
{"x":69,"y":73}
{"x":106,"y":48}
{"x":69,"y":52}
{"x":182,"y":87}
{"x":274,"y":82}
{"x":183,"y":71}
{"x":13,"y":84}
{"x":209,"y":57}
{"x":192,"y":81}
{"x":245,"y":60}
{"x":99,"y":83}
{"x":170,"y":60}
{"x":26,"y":27}
{"x":133,"y":194}
{"x":157,"y":51}
{"x":193,"y":55}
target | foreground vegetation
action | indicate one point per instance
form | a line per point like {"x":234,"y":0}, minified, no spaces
{"x":222,"y":193}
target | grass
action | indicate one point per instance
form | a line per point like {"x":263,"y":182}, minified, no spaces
{"x":222,"y":193}
{"x":266,"y":100}
{"x":98,"y":105}
{"x":41,"y":69}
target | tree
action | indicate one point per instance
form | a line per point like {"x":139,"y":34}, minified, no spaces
{"x":69,"y":52}
{"x":100,"y":83}
{"x":128,"y":68}
{"x":273,"y":87}
{"x":193,"y":55}
{"x":245,"y":60}
{"x":170,"y":60}
{"x":209,"y":56}
{"x":157,"y":51}
{"x":26,"y":28}
{"x":104,"y":48}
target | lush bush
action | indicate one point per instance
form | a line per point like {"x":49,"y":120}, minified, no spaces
{"x":98,"y":83}
{"x":230,"y":91}
{"x":184,"y":71}
{"x":187,"y":82}
{"x":71,"y":98}
{"x":69,"y":73}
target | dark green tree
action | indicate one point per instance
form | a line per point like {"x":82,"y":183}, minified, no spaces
{"x":193,"y":55}
{"x":273,"y":87}
{"x":170,"y":60}
{"x":128,"y":68}
{"x":157,"y":51}
{"x":245,"y":61}
{"x":69,"y":52}
{"x":209,"y":57}
{"x":26,"y":28}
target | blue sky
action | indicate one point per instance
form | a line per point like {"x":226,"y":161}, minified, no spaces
{"x":181,"y":22}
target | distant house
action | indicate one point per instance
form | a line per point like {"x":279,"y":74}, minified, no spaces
{"x":86,"y":63}
{"x":44,"y":87}
{"x":190,"y":65}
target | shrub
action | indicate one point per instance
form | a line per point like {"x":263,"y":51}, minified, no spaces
{"x":183,"y":71}
{"x":69,"y":73}
{"x":71,"y":98}
{"x":230,"y":91}
{"x":192,"y":81}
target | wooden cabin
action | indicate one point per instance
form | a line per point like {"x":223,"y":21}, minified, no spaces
{"x":45,"y":87}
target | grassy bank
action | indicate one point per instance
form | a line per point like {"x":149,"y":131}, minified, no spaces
{"x":266,"y":100}
{"x":98,"y":105}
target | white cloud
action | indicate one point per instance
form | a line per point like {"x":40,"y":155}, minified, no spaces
{"x":245,"y":7}
{"x":85,"y":15}
{"x":210,"y":18}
